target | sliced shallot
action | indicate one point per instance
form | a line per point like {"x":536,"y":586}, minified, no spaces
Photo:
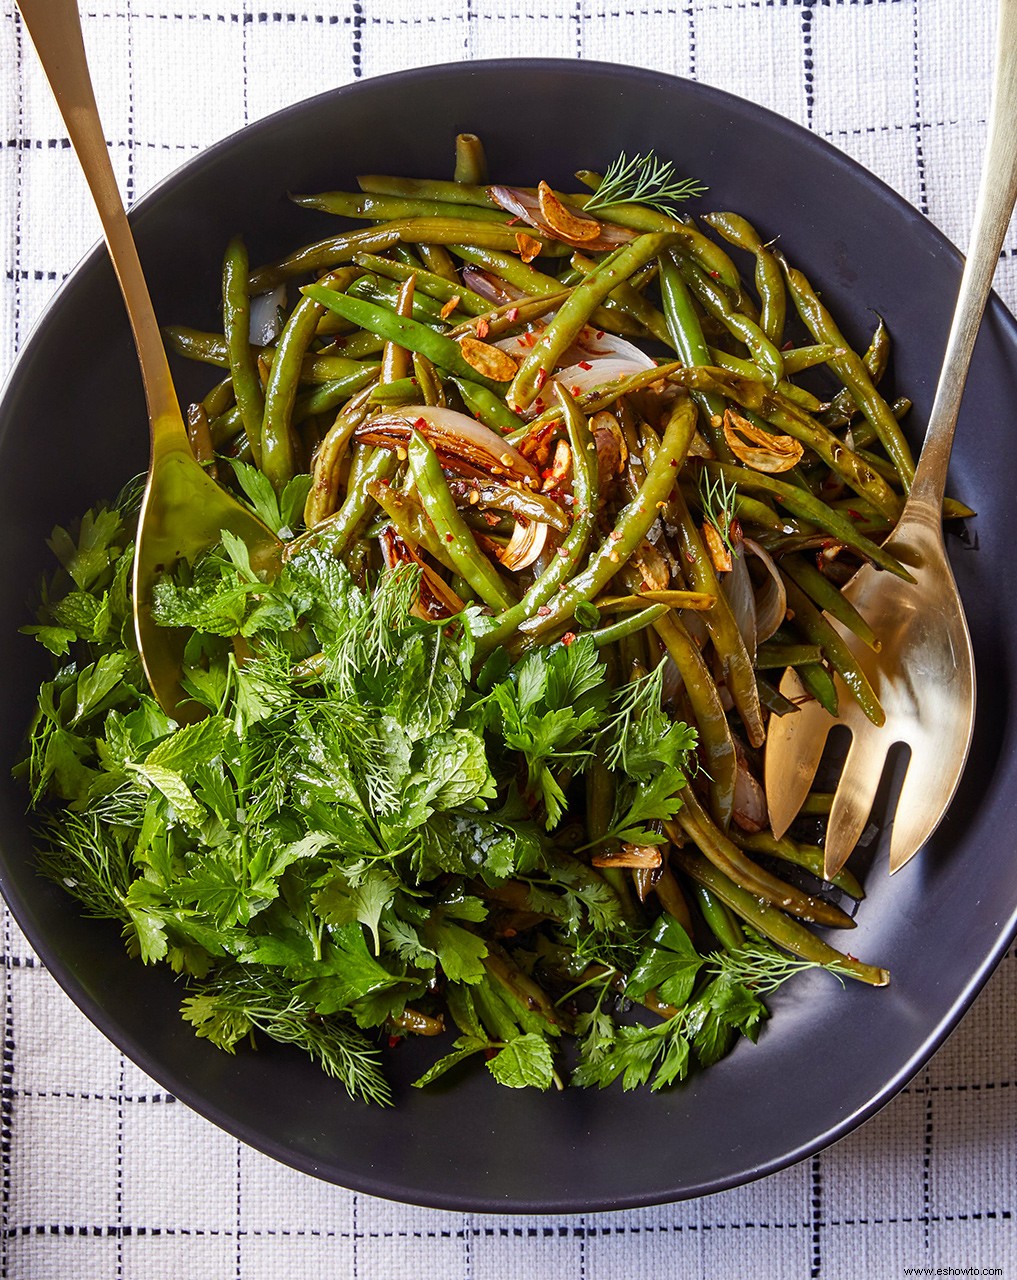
{"x":452,"y":435}
{"x":525,"y":205}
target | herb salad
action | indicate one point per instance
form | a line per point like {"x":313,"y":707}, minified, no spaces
{"x":479,"y":762}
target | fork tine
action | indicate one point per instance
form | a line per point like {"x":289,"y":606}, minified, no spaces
{"x":931,"y":779}
{"x":852,"y":801}
{"x":788,"y":769}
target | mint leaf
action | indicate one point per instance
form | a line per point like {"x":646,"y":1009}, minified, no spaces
{"x":524,"y":1062}
{"x":669,"y":964}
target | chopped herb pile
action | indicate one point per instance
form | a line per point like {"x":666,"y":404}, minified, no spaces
{"x":361,"y":839}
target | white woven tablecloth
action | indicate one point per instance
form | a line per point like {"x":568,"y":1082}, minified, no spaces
{"x":102,"y":1174}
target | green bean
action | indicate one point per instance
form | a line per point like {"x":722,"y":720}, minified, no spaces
{"x":585,"y":495}
{"x":746,"y":369}
{"x":409,"y":520}
{"x":445,"y":352}
{"x":243,"y":364}
{"x":220,"y":399}
{"x":403,"y":391}
{"x":590,"y":402}
{"x":802,"y":503}
{"x":716,"y":303}
{"x":441,"y":510}
{"x":322,"y":496}
{"x":725,"y":855}
{"x":816,"y":803}
{"x":462,"y":193}
{"x":808,"y":856}
{"x":773,"y":701}
{"x":799,"y":358}
{"x":471,"y":160}
{"x":379,"y":208}
{"x":336,"y":250}
{"x":720,"y":763}
{"x":489,"y":408}
{"x":277,"y":458}
{"x":575,"y":313}
{"x":637,"y":217}
{"x":523,"y":504}
{"x":630,"y":300}
{"x":787,"y":417}
{"x":632,"y":525}
{"x":338,"y":531}
{"x":688,"y":340}
{"x":719,"y":916}
{"x":395,"y":361}
{"x":385,"y":293}
{"x":769,"y":281}
{"x":212,"y":348}
{"x":851,"y":370}
{"x":535,"y":283}
{"x":694,"y":600}
{"x":816,"y":629}
{"x":438,"y":261}
{"x":628,"y":625}
{"x":773,"y":654}
{"x":429,"y":385}
{"x":875,"y":359}
{"x":721,"y":625}
{"x":826,"y":595}
{"x":434,"y":286}
{"x":774,"y":924}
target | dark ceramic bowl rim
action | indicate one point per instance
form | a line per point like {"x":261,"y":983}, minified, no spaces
{"x":797,"y":137}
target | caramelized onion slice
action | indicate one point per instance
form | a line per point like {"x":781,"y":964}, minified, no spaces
{"x":759,"y":449}
{"x":526,"y":206}
{"x":451,"y":435}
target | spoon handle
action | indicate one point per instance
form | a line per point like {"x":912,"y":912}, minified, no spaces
{"x":996,"y":196}
{"x":55,"y":29}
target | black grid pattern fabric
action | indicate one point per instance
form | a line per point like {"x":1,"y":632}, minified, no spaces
{"x":105,"y":1177}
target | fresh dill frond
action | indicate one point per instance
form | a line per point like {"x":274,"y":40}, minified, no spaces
{"x":763,"y":968}
{"x":238,"y":1001}
{"x":88,"y":857}
{"x":633,"y":701}
{"x":718,"y":499}
{"x":643,"y":180}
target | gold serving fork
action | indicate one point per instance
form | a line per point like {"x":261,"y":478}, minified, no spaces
{"x":923,"y":674}
{"x":184,"y":511}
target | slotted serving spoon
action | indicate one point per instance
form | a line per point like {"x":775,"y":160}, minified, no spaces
{"x":183,"y":511}
{"x":923,"y":674}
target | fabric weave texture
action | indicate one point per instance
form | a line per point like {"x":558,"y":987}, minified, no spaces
{"x":103,"y":1175}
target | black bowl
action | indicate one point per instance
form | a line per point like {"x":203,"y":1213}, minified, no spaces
{"x":72,"y":429}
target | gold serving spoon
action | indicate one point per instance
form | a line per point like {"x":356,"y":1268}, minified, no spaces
{"x":923,"y":675}
{"x":184,"y":511}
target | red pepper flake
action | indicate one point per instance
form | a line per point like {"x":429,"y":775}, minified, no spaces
{"x":508,"y":933}
{"x":855,"y":515}
{"x":386,"y":481}
{"x":575,"y":389}
{"x":585,"y":364}
{"x":393,"y":1041}
{"x":449,"y":537}
{"x":563,"y":553}
{"x":413,"y":381}
{"x":512,"y":221}
{"x":787,"y":345}
{"x":673,"y":462}
{"x":615,"y":535}
{"x":529,"y":339}
{"x":543,"y":611}
{"x":714,"y":275}
{"x":421,"y":424}
{"x":568,"y":638}
{"x":541,"y":378}
{"x":512,"y":314}
{"x":483,"y":328}
{"x":600,"y":333}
